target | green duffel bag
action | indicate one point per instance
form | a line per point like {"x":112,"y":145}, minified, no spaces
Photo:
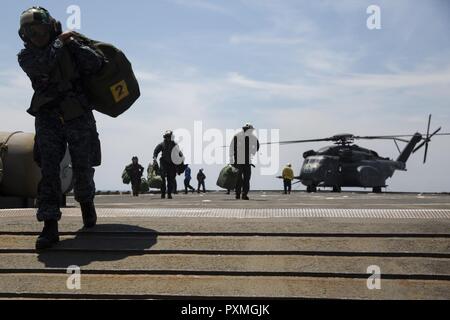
{"x":153,"y":179}
{"x":155,"y":182}
{"x":114,"y":89}
{"x":152,"y":171}
{"x":144,"y":186}
{"x":125,"y":177}
{"x":228,"y":178}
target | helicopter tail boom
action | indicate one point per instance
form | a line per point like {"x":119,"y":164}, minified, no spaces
{"x":406,"y":153}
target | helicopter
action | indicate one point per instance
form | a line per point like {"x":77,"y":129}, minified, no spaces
{"x":346,"y":164}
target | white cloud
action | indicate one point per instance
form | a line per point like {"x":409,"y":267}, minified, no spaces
{"x":321,"y":60}
{"x":348,"y":85}
{"x":16,"y":93}
{"x":398,"y":80}
{"x":265,"y":40}
{"x":291,"y":91}
{"x":146,"y":76}
{"x":202,"y":4}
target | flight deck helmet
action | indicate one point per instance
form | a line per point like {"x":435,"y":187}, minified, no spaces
{"x":38,"y":27}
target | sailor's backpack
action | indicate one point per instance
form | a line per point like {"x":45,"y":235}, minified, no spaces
{"x":114,"y":88}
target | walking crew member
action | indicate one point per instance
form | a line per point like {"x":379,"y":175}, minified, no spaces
{"x":243,"y":147}
{"x":55,"y":62}
{"x":171,"y":156}
{"x":187,"y":180}
{"x":135,"y":171}
{"x":201,"y":181}
{"x":288,"y":176}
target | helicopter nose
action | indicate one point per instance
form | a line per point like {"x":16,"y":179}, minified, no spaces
{"x":310,"y":168}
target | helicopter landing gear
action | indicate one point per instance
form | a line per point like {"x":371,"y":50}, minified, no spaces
{"x":337,"y":189}
{"x":377,"y":190}
{"x":311,"y":189}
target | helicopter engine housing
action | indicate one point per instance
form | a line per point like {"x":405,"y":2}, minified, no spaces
{"x":19,"y":173}
{"x":370,"y":176}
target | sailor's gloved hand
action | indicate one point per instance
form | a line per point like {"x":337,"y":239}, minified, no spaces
{"x":62,"y":39}
{"x":60,"y":42}
{"x":66,"y":36}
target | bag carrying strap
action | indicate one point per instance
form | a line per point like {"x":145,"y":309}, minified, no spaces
{"x":88,"y":42}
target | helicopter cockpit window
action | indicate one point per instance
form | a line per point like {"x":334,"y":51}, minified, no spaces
{"x":314,"y":161}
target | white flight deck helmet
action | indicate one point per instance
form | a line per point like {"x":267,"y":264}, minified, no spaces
{"x":168,"y":134}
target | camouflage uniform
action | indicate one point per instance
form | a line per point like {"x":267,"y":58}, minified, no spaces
{"x":62,"y":116}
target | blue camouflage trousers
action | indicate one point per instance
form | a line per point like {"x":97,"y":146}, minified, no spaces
{"x":53,"y":134}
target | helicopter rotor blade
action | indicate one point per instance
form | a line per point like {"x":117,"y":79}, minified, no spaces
{"x":400,"y":137}
{"x":435,"y":133}
{"x":425,"y":154}
{"x":397,"y":137}
{"x":297,"y":141}
{"x":420,"y":146}
{"x":429,"y":125}
{"x":427,"y":140}
{"x":305,"y":141}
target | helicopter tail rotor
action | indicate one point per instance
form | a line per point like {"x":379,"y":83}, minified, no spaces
{"x":427,"y":140}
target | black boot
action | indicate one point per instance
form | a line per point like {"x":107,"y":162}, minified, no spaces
{"x":245,"y":197}
{"x":89,"y":214}
{"x":49,"y":235}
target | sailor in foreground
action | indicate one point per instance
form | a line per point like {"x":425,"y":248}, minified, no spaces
{"x":55,"y":62}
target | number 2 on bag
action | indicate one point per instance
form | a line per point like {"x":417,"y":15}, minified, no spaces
{"x":119,"y":91}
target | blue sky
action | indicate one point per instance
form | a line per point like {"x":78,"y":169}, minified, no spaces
{"x":309,"y":68}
